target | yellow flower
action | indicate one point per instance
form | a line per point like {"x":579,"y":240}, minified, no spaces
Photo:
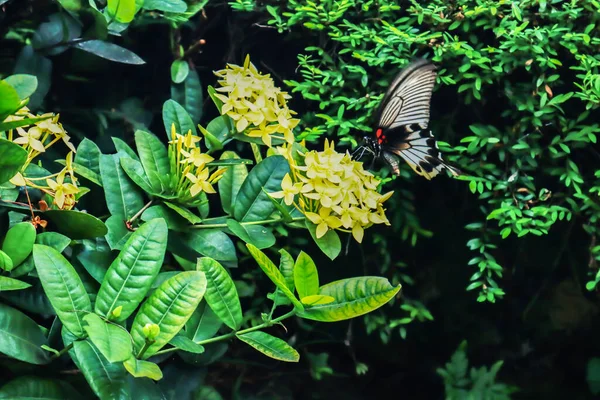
{"x":61,"y":189}
{"x":324,"y":221}
{"x":253,"y":101}
{"x":31,"y":138}
{"x":289,"y":190}
{"x":200,"y":183}
{"x":196,"y":157}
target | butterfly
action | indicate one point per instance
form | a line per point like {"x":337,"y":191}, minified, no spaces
{"x":402,"y":124}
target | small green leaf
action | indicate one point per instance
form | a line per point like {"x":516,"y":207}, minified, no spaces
{"x":20,"y":337}
{"x":154,"y":159}
{"x":18,"y":242}
{"x":143,"y":369}
{"x":122,"y":197}
{"x":110,"y":51}
{"x":184,"y":212}
{"x":203,"y":324}
{"x":112,"y":340}
{"x":274,"y":274}
{"x":306,"y":277}
{"x":7,"y":284}
{"x":186,"y":344}
{"x":231,"y":182}
{"x":179,"y":70}
{"x":258,"y":235}
{"x":221,"y":294}
{"x":134,"y":170}
{"x":24,"y":84}
{"x":12,"y":158}
{"x":63,"y":286}
{"x":316,"y":299}
{"x":76,"y":224}
{"x":329,"y":243}
{"x":171,"y":6}
{"x":189,"y":93}
{"x":106,"y":379}
{"x":169,"y":306}
{"x":270,"y":346}
{"x":211,"y":243}
{"x":9,"y":100}
{"x":121,"y":10}
{"x":174,"y":113}
{"x":353,"y":297}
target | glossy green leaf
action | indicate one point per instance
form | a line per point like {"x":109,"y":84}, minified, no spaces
{"x":172,"y":6}
{"x":32,"y":300}
{"x":174,"y":113}
{"x":21,"y":337}
{"x":184,"y":212}
{"x":286,"y":266}
{"x":76,"y":224}
{"x":189,"y":93}
{"x":118,"y":234}
{"x":122,"y":196}
{"x":316,"y":299}
{"x":63,"y":286}
{"x":274,"y":274}
{"x":221,"y":294}
{"x":107,"y":380}
{"x":121,"y":10}
{"x":110,"y":51}
{"x":306,"y":277}
{"x":131,"y":274}
{"x":219,"y":129}
{"x":12,"y":158}
{"x":207,"y":393}
{"x":112,"y":340}
{"x":203,"y":324}
{"x":353,"y":297}
{"x":252,"y":203}
{"x":231,"y":182}
{"x":258,"y":235}
{"x":38,"y":388}
{"x":143,"y":369}
{"x":95,"y":255}
{"x":7,"y":284}
{"x":5,"y":126}
{"x":123,"y":147}
{"x":9,"y":100}
{"x":135,"y":171}
{"x":18,"y":242}
{"x":169,"y":306}
{"x":24,"y":84}
{"x":154,"y":159}
{"x":270,"y":346}
{"x":52,"y":239}
{"x":88,"y":156}
{"x":329,"y":244}
{"x":179,"y":70}
{"x":211,"y":243}
{"x":186,"y":344}
{"x":6,"y":263}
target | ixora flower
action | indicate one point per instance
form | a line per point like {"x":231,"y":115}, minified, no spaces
{"x":332,"y":191}
{"x":188,"y":167}
{"x":257,"y":106}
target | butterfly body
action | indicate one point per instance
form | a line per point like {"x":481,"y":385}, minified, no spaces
{"x":402,"y":125}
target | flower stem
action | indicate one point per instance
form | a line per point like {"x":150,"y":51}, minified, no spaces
{"x":137,"y":214}
{"x":263,"y":222}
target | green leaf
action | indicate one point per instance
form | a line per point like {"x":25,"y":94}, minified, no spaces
{"x":118,"y":234}
{"x":9,"y":100}
{"x":221,"y":294}
{"x":5,"y":126}
{"x":169,"y":306}
{"x":174,"y":221}
{"x":179,"y":69}
{"x":121,"y":10}
{"x":95,"y":256}
{"x":110,"y":51}
{"x":131,"y":274}
{"x":231,"y":182}
{"x":154,"y":159}
{"x":63,"y":286}
{"x":207,"y":393}
{"x":306,"y":277}
{"x":88,"y":156}
{"x":174,"y":113}
{"x":353,"y":297}
{"x":7,"y":284}
{"x":172,"y":6}
{"x":76,"y":224}
{"x":286,"y":266}
{"x":270,"y":346}
{"x":257,"y":235}
{"x":186,"y":344}
{"x":316,"y":299}
{"x":188,"y":93}
{"x":112,"y":340}
{"x":83,"y":172}
{"x":12,"y":158}
{"x":21,"y":337}
{"x":122,"y":197}
{"x":18,"y":242}
{"x":24,"y":84}
{"x":203,"y":324}
{"x":274,"y":274}
{"x":106,"y":379}
{"x":123,"y":147}
{"x":184,"y":212}
{"x":31,"y":387}
{"x":329,"y":243}
{"x":251,"y":202}
{"x":32,"y":62}
{"x":211,"y":243}
{"x":143,"y":369}
{"x":134,"y":170}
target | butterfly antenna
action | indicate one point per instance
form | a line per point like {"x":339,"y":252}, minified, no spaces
{"x":359,"y":148}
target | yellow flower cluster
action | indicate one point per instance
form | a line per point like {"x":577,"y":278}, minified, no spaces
{"x":35,"y":139}
{"x":188,"y":165}
{"x":334,"y":191}
{"x":256,"y":105}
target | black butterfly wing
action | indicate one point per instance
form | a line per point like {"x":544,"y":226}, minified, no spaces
{"x":404,"y":118}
